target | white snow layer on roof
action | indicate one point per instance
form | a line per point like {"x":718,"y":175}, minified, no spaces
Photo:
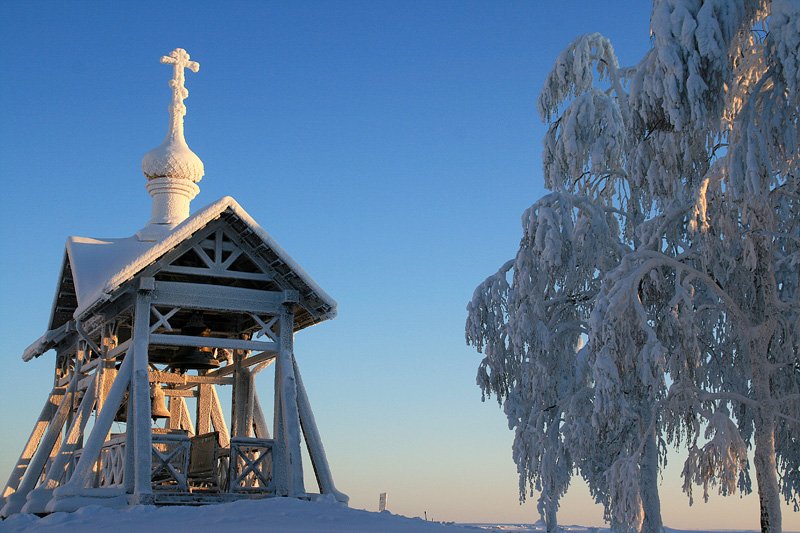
{"x":100,"y":266}
{"x":95,"y":261}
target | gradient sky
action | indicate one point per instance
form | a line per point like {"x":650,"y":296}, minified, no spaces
{"x":390,"y":147}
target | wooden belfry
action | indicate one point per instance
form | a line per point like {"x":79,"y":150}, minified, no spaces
{"x":187,"y":305}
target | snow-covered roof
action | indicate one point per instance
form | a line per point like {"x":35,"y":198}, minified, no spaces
{"x":98,"y":267}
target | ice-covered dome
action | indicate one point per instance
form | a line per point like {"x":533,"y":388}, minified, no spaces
{"x":173,"y":159}
{"x":172,"y":169}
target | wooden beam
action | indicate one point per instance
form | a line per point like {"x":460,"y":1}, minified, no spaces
{"x":85,"y":336}
{"x":110,"y":355}
{"x":201,"y":296}
{"x":316,"y":452}
{"x":33,"y":473}
{"x":186,"y":419}
{"x":117,"y":350}
{"x":241,"y":405}
{"x":85,"y":382}
{"x":106,"y":381}
{"x":157,"y":376}
{"x":179,"y":413}
{"x":140,"y":396}
{"x":32,"y":444}
{"x":212,"y":342}
{"x":259,"y":421}
{"x":180,"y":392}
{"x":258,"y":367}
{"x":217,"y":273}
{"x":247,"y":362}
{"x":218,"y":419}
{"x":204,"y":408}
{"x":290,"y":419}
{"x":91,"y":364}
{"x":74,"y":437}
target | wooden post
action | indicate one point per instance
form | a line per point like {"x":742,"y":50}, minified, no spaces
{"x":251,"y":396}
{"x":186,"y":419}
{"x":237,"y":395}
{"x":314,"y":443}
{"x":260,"y":427}
{"x":104,"y":376}
{"x":94,"y":443}
{"x":218,"y":419}
{"x":129,"y":477}
{"x":204,"y":408}
{"x":278,"y":484}
{"x":179,"y":415}
{"x":59,"y":468}
{"x":140,"y":396}
{"x":242,"y":405}
{"x":105,"y":370}
{"x":80,"y":356}
{"x":47,"y":414}
{"x":74,"y":436}
{"x":290,"y":419}
{"x":15,"y":501}
{"x":175,"y":412}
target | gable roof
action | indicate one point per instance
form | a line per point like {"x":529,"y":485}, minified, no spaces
{"x":95,"y":268}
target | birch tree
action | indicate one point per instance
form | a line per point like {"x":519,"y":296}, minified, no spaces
{"x":693,"y":327}
{"x":529,"y":329}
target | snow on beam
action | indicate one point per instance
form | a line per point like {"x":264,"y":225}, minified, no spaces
{"x":259,"y":358}
{"x":200,"y":296}
{"x":212,"y":342}
{"x":47,"y":341}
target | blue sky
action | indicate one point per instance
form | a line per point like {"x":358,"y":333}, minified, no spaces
{"x":390,"y":147}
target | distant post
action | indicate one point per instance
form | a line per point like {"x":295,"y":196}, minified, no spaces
{"x":382,"y":502}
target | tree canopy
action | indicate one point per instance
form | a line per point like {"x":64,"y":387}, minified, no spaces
{"x":654,"y":299}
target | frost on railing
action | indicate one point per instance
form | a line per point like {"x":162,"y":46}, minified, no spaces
{"x":250,"y":464}
{"x":112,"y":464}
{"x":244,"y":467}
{"x":170,"y":463}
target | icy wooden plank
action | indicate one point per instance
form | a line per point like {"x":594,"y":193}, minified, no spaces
{"x":213,"y":342}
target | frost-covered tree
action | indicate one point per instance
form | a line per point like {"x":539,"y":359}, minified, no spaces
{"x":530,"y":328}
{"x":731,"y":336}
{"x":692,"y":318}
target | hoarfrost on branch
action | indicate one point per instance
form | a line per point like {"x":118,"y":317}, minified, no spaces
{"x":655,"y":297}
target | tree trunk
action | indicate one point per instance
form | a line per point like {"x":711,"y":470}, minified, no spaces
{"x":550,"y":517}
{"x":649,"y":487}
{"x":764,"y":423}
{"x":766,"y":469}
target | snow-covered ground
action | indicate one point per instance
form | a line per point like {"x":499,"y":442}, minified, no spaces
{"x":273,"y":515}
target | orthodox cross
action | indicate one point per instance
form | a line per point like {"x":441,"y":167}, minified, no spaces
{"x":179,"y":59}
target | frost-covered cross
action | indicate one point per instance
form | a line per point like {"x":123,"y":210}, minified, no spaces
{"x":179,"y":59}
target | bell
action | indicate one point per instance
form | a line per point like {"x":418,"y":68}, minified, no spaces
{"x":158,"y":404}
{"x":195,"y":357}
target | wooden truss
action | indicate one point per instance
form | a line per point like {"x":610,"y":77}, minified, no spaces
{"x":105,"y":369}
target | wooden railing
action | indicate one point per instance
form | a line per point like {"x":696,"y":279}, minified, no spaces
{"x":112,"y":463}
{"x":250,"y":467}
{"x":245,"y":467}
{"x":170,"y":462}
{"x":170,"y":465}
